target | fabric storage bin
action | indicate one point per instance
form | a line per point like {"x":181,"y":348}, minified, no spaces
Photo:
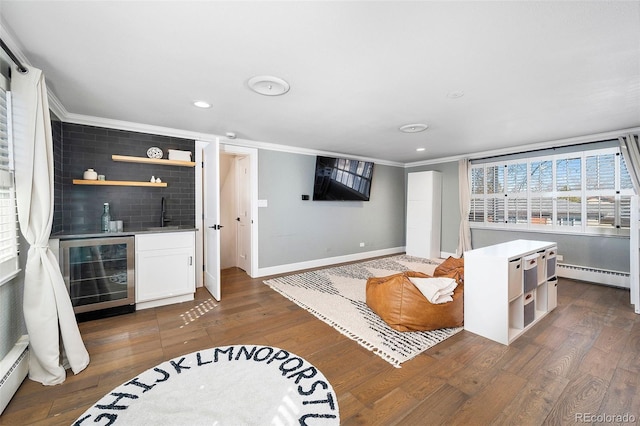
{"x":515,"y":278}
{"x":552,"y":293}
{"x":550,"y":255}
{"x":529,"y":308}
{"x":530,"y":274}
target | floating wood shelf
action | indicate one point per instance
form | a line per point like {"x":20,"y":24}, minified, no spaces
{"x":117,"y":183}
{"x":143,"y":160}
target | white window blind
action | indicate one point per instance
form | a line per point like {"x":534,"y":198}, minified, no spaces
{"x":541,"y":193}
{"x":8,"y":214}
{"x":587,"y":192}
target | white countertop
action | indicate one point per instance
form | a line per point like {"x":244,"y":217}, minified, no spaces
{"x":510,"y":248}
{"x":150,"y":230}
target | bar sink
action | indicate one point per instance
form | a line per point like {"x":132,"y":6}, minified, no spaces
{"x":164,"y":228}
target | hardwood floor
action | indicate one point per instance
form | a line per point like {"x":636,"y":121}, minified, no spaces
{"x":581,"y":358}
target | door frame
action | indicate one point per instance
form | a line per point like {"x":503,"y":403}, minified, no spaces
{"x":253,"y":196}
{"x":252,"y":153}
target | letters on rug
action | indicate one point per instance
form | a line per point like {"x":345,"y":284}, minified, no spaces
{"x":230,"y":385}
{"x":337,"y":296}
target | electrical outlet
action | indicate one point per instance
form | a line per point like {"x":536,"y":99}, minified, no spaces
{"x":559,"y":257}
{"x":361,"y":244}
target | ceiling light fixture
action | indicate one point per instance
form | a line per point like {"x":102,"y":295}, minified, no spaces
{"x":202,"y":104}
{"x":421,"y":149}
{"x":268,"y":85}
{"x":413,"y":128}
{"x":455,"y":94}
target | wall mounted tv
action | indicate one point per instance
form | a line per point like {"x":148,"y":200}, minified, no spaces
{"x":342,"y":179}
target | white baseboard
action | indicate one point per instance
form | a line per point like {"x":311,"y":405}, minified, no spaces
{"x":444,"y":254}
{"x":318,"y":263}
{"x":594,"y":275}
{"x":166,"y":301}
{"x":13,"y":370}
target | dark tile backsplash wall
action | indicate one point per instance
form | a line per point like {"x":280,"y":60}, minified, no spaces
{"x":84,"y":147}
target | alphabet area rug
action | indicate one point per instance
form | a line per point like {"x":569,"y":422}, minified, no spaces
{"x":337,"y":296}
{"x":230,"y":385}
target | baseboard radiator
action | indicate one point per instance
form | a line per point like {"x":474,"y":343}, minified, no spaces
{"x":13,"y":369}
{"x":594,"y":275}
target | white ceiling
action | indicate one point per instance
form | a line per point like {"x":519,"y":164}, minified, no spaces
{"x":531,"y":72}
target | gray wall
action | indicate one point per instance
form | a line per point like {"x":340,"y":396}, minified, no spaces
{"x":450,"y":203}
{"x":594,"y":251}
{"x":292,"y":230}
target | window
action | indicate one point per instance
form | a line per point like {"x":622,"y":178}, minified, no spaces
{"x":8,"y":216}
{"x":353,"y":174}
{"x":588,"y":192}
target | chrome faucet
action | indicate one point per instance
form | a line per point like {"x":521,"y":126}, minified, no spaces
{"x":163,"y":219}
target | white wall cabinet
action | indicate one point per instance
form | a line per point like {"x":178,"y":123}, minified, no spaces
{"x":508,"y":288}
{"x":165,"y":268}
{"x":424,"y":194}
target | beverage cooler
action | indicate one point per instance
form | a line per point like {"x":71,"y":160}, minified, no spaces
{"x":99,"y":274}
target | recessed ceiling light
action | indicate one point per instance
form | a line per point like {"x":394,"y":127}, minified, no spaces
{"x":413,"y":128}
{"x":421,"y":149}
{"x":202,"y":104}
{"x":268,"y":85}
{"x":455,"y":94}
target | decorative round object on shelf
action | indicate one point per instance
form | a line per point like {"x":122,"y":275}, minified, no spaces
{"x":154,"y":152}
{"x":90,"y":174}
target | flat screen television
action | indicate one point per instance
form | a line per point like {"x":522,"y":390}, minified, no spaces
{"x":342,"y":179}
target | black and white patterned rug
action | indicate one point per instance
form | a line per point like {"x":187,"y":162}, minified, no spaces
{"x":337,"y":296}
{"x":230,"y":385}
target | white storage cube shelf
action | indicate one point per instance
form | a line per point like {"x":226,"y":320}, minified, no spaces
{"x":508,"y":288}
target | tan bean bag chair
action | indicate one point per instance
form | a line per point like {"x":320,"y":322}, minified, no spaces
{"x":452,"y":268}
{"x":401,"y":305}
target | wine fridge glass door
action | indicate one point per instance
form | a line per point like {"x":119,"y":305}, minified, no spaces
{"x":99,"y":273}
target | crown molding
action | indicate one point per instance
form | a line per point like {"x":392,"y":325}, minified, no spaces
{"x":55,"y":105}
{"x":614,"y":134}
{"x":136,"y":127}
{"x":11,"y":43}
{"x":303,"y":151}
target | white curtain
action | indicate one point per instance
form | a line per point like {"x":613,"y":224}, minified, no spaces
{"x":54,"y":338}
{"x":464,"y":198}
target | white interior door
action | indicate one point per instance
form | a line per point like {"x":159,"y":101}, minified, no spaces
{"x":211,"y":211}
{"x":244,"y":214}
